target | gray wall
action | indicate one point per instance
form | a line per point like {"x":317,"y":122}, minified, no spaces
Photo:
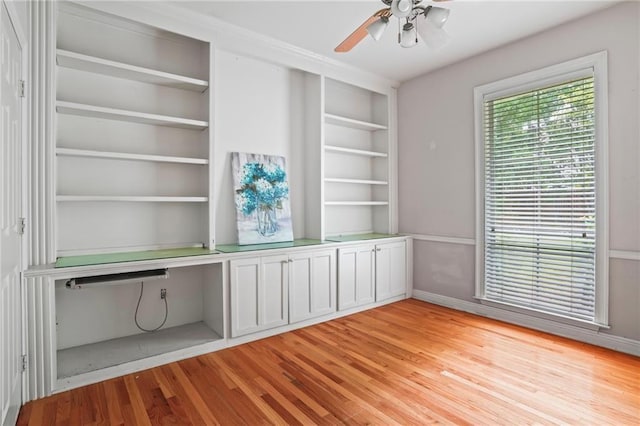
{"x":436,"y":153}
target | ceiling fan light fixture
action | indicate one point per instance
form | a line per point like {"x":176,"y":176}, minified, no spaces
{"x":437,"y":16}
{"x":413,"y":19}
{"x":376,"y":29}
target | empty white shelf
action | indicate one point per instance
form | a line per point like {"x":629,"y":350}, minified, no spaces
{"x":132,"y":199}
{"x":355,"y":151}
{"x":356,"y":181}
{"x":73,"y":108}
{"x":96,"y":356}
{"x":350,"y":122}
{"x":78,"y":61}
{"x":70,"y":152}
{"x":356,"y":203}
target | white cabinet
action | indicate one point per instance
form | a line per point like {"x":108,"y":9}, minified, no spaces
{"x":259,"y":294}
{"x":271,"y":291}
{"x":371,"y":272}
{"x":391,"y":270}
{"x":356,"y":273}
{"x":312,"y":284}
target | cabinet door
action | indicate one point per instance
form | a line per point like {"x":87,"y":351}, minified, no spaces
{"x":245,"y":294}
{"x":300,"y":282}
{"x":312,"y":284}
{"x":391,"y":270}
{"x":355,"y":276}
{"x":323,"y":282}
{"x":273,"y":301}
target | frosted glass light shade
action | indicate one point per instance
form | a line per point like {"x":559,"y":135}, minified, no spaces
{"x":433,"y":36}
{"x":409,"y":36}
{"x":438,"y":16}
{"x":376,"y":28}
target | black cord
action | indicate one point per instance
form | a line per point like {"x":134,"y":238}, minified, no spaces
{"x":135,"y":316}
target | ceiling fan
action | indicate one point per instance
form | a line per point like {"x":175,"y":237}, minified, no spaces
{"x":413,"y":19}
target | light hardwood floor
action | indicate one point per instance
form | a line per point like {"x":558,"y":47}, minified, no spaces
{"x":405,"y":363}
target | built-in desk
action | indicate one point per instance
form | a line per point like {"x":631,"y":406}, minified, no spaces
{"x":84,"y":335}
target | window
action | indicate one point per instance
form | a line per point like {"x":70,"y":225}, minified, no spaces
{"x":541,"y":156}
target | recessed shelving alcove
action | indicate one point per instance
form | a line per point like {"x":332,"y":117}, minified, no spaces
{"x":133,"y":143}
{"x":356,"y":160}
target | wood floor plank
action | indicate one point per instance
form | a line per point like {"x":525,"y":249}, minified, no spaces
{"x":137,"y":404}
{"x":404,"y":363}
{"x":114,"y":409}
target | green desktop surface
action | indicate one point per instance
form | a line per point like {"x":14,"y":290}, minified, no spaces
{"x":236,"y":248}
{"x":131,"y":256}
{"x":359,"y":237}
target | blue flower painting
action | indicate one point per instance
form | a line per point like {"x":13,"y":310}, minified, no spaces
{"x":262,"y":198}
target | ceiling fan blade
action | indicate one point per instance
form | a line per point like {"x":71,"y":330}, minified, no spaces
{"x":356,"y":36}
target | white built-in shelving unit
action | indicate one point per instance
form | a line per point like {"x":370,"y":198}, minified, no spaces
{"x":134,"y":159}
{"x":133,"y":172}
{"x":355,"y":170}
{"x":133,"y":142}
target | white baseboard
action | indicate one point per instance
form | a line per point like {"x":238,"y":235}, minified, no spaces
{"x":621,"y":344}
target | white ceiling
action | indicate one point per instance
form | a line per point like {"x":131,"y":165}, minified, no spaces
{"x":318,"y":26}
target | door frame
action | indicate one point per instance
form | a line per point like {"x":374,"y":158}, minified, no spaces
{"x":23,"y":40}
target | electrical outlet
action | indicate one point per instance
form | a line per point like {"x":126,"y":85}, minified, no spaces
{"x":163,"y":293}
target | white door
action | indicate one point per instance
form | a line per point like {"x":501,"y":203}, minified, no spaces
{"x":398,"y":264}
{"x":312,"y":284}
{"x":273,"y":304}
{"x":245,"y":295}
{"x":300,"y":274}
{"x":391,"y":271}
{"x":323,"y":282}
{"x":356,"y":276}
{"x":365,"y":282}
{"x":10,"y":211}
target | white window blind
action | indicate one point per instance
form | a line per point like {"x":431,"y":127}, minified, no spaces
{"x":540,"y":207}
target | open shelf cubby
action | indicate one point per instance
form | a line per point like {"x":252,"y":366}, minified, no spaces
{"x":352,"y":123}
{"x":73,"y":108}
{"x":78,"y":61}
{"x":343,"y":150}
{"x":96,"y":327}
{"x":129,"y":156}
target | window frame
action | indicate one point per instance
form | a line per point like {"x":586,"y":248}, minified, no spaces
{"x":596,"y":65}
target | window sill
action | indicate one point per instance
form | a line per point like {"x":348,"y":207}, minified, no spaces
{"x":543,"y":315}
